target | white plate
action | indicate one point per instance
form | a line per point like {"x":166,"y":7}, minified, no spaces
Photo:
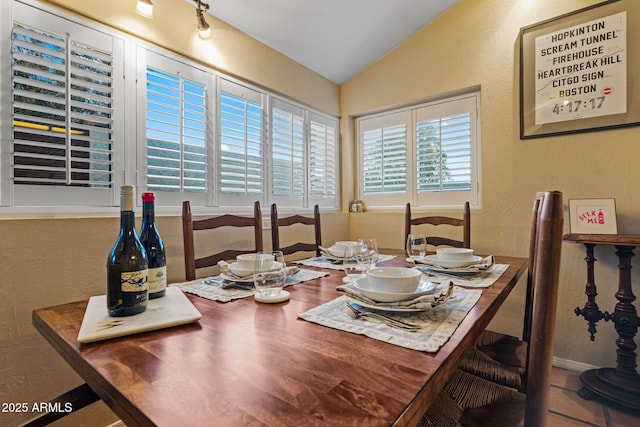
{"x":335,"y":252}
{"x":388,"y":309}
{"x":425,"y":287}
{"x":433,"y":259}
{"x":244,"y":271}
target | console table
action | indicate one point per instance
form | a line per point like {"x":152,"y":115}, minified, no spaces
{"x":621,"y":384}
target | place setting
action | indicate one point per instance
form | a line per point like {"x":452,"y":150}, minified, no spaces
{"x":398,"y":305}
{"x":334,"y":256}
{"x":263,"y":275}
{"x":460,"y":265}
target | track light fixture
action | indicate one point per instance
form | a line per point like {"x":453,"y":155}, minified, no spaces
{"x":145,"y":8}
{"x":204,"y":31}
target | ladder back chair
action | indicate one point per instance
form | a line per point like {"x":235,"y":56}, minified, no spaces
{"x":190,"y":225}
{"x":277,"y":223}
{"x":468,"y":399}
{"x":499,"y":357}
{"x":435,"y":220}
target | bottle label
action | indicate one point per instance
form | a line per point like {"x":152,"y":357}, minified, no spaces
{"x":135,"y":286}
{"x":157,"y":279}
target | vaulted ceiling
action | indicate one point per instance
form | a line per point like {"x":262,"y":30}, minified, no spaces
{"x":336,"y":38}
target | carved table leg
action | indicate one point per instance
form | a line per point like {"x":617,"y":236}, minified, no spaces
{"x":590,"y":311}
{"x":621,"y":384}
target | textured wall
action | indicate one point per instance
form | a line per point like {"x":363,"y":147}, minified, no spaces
{"x":475,"y":44}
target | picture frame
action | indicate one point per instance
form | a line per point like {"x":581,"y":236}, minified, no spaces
{"x":577,"y":71}
{"x":593,"y":216}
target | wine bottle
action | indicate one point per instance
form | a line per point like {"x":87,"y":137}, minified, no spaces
{"x":127,"y":265}
{"x":152,"y":242}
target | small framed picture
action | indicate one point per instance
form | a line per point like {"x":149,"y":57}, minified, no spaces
{"x":593,"y":216}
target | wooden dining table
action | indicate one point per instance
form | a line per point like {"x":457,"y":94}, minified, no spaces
{"x":247,"y":363}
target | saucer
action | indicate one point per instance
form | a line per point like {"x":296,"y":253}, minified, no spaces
{"x":433,"y":259}
{"x":425,"y":287}
{"x":280,"y":297}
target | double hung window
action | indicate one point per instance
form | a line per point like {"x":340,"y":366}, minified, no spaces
{"x":427,"y":154}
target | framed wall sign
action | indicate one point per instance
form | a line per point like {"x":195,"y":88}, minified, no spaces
{"x":578,"y":71}
{"x":593,"y":216}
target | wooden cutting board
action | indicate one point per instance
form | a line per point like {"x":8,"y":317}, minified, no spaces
{"x":171,"y":310}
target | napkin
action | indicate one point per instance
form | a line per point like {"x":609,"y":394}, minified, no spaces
{"x":441,"y":294}
{"x":484,"y":264}
{"x":226,"y":270}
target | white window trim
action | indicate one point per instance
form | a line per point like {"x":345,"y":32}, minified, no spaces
{"x":445,"y":200}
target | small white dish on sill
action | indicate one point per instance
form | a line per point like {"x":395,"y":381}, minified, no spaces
{"x":364,"y":287}
{"x":433,"y":259}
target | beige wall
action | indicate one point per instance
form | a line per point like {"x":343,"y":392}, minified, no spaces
{"x":45,"y":262}
{"x":475,"y":43}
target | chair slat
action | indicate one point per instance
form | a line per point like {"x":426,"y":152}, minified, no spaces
{"x":189,"y":225}
{"x":437,"y":220}
{"x":277,"y":223}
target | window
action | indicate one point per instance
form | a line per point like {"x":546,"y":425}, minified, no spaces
{"x":172,"y":99}
{"x":323,"y":160}
{"x":82,"y":126}
{"x":242,"y":144}
{"x":63,"y":103}
{"x":425,"y":154}
{"x":287,"y":153}
{"x":303,"y":156}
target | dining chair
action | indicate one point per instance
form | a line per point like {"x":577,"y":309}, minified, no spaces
{"x":190,"y":225}
{"x":277,"y":223}
{"x":501,"y":357}
{"x":468,"y":399}
{"x":435,"y":240}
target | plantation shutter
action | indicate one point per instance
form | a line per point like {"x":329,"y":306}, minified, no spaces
{"x":426,"y":155}
{"x":63,"y":112}
{"x":383,"y":144}
{"x":176,"y":133}
{"x":445,"y":135}
{"x":242,"y":149}
{"x":323,"y":160}
{"x":287,"y":154}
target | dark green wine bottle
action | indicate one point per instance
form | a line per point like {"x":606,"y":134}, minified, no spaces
{"x":127,"y":265}
{"x":153,"y":245}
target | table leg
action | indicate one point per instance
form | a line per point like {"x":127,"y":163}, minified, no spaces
{"x":590,"y":311}
{"x":621,"y":385}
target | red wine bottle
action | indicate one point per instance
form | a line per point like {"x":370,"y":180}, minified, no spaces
{"x":152,"y":242}
{"x":127,"y":265}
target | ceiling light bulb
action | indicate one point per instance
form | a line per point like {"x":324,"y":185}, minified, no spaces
{"x":145,"y":8}
{"x":204,"y":31}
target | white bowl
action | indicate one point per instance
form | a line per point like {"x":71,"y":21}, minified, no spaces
{"x":247,"y":261}
{"x":338,"y":249}
{"x":394,"y":279}
{"x":454,"y":254}
{"x":238,"y":271}
{"x":424,"y":287}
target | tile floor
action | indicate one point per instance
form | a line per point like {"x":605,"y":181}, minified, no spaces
{"x":567,"y":409}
